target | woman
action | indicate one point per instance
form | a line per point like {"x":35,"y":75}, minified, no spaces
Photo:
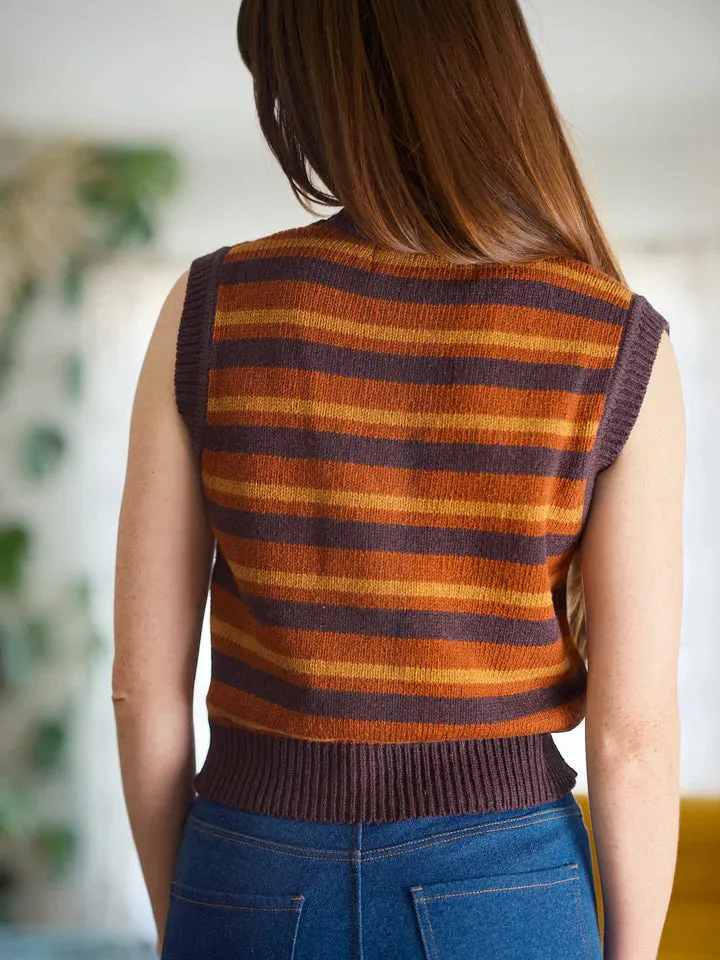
{"x":427,"y":453}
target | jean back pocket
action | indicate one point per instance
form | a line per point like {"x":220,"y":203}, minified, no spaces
{"x":208,"y":925}
{"x":533,"y":915}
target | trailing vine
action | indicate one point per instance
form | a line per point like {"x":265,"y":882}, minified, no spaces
{"x":64,"y":208}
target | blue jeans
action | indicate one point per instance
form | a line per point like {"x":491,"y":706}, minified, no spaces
{"x":512,"y":885}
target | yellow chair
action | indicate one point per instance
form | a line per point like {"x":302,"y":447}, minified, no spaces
{"x":692,"y":928}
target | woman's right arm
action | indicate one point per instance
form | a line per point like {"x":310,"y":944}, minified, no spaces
{"x":632,"y":569}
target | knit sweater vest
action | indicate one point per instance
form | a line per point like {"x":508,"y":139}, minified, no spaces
{"x":397,"y":455}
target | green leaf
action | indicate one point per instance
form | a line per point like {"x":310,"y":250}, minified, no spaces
{"x":18,"y":814}
{"x":16,"y":660}
{"x":82,"y":592}
{"x":10,"y":326}
{"x":9,"y":885}
{"x":74,"y":370}
{"x":149,"y":172}
{"x":6,"y":364}
{"x":14,"y":548}
{"x":48,"y":745}
{"x":57,"y":843}
{"x":127,"y":190}
{"x":72,"y":287}
{"x":138,"y":225}
{"x":29,"y":289}
{"x":96,"y":643}
{"x":37,"y":636}
{"x":43,"y":450}
{"x":22,"y":644}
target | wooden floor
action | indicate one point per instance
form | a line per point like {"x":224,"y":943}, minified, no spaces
{"x":692,"y":929}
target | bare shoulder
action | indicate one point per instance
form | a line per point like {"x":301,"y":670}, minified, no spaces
{"x":168,"y":320}
{"x":155,"y":384}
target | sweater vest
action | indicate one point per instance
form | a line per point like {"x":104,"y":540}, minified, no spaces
{"x":397,"y":456}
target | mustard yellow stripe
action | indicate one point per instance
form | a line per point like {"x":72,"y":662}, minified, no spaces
{"x":614,"y":291}
{"x":366,"y":587}
{"x":441,"y":336}
{"x":536,"y":513}
{"x":349,"y":670}
{"x":403,"y":418}
{"x":310,"y":243}
{"x":243,"y":721}
{"x":240,"y":721}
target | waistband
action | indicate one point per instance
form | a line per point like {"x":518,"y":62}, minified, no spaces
{"x":338,"y":841}
{"x":379,"y":782}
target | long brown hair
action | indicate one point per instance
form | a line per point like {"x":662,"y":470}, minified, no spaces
{"x":434,"y":126}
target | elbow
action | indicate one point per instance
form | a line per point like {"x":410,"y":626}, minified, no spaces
{"x":125,"y":686}
{"x":130,"y":692}
{"x":136,"y":697}
{"x":120,"y":697}
{"x":632,"y":739}
{"x":125,"y":700}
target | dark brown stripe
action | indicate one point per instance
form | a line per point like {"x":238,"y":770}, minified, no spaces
{"x":397,"y":623}
{"x":379,"y":451}
{"x":533,"y":294}
{"x":387,"y":707}
{"x":295,"y":354}
{"x":387,"y":537}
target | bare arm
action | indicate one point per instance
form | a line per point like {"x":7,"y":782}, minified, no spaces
{"x":164,"y":552}
{"x":631,"y":561}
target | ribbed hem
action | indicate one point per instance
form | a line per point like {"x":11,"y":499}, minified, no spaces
{"x":641,"y":335}
{"x":193,"y":343}
{"x":372,"y":783}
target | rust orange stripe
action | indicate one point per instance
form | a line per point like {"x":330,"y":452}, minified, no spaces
{"x":519,"y":489}
{"x":243,"y":709}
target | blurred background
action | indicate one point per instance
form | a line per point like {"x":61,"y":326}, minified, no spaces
{"x":128,"y":147}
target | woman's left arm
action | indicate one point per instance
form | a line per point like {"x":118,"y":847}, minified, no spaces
{"x":164,"y":555}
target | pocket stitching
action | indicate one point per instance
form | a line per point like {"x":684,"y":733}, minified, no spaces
{"x":295,"y":926}
{"x":232,"y":906}
{"x":572,"y":865}
{"x":289,"y":950}
{"x":427,"y":928}
{"x":524,"y":886}
{"x":429,"y":923}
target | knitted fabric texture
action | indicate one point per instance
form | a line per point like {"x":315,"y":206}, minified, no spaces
{"x":397,"y":455}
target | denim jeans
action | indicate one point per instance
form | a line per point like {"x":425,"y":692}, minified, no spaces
{"x":511,"y":885}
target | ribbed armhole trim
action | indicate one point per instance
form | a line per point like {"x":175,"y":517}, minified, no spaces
{"x":633,"y":365}
{"x":192,"y":353}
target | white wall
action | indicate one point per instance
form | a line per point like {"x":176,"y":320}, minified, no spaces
{"x":648,"y":191}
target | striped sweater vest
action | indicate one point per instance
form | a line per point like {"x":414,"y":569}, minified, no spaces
{"x":397,"y":456}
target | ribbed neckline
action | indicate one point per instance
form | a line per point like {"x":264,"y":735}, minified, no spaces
{"x":343,"y":221}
